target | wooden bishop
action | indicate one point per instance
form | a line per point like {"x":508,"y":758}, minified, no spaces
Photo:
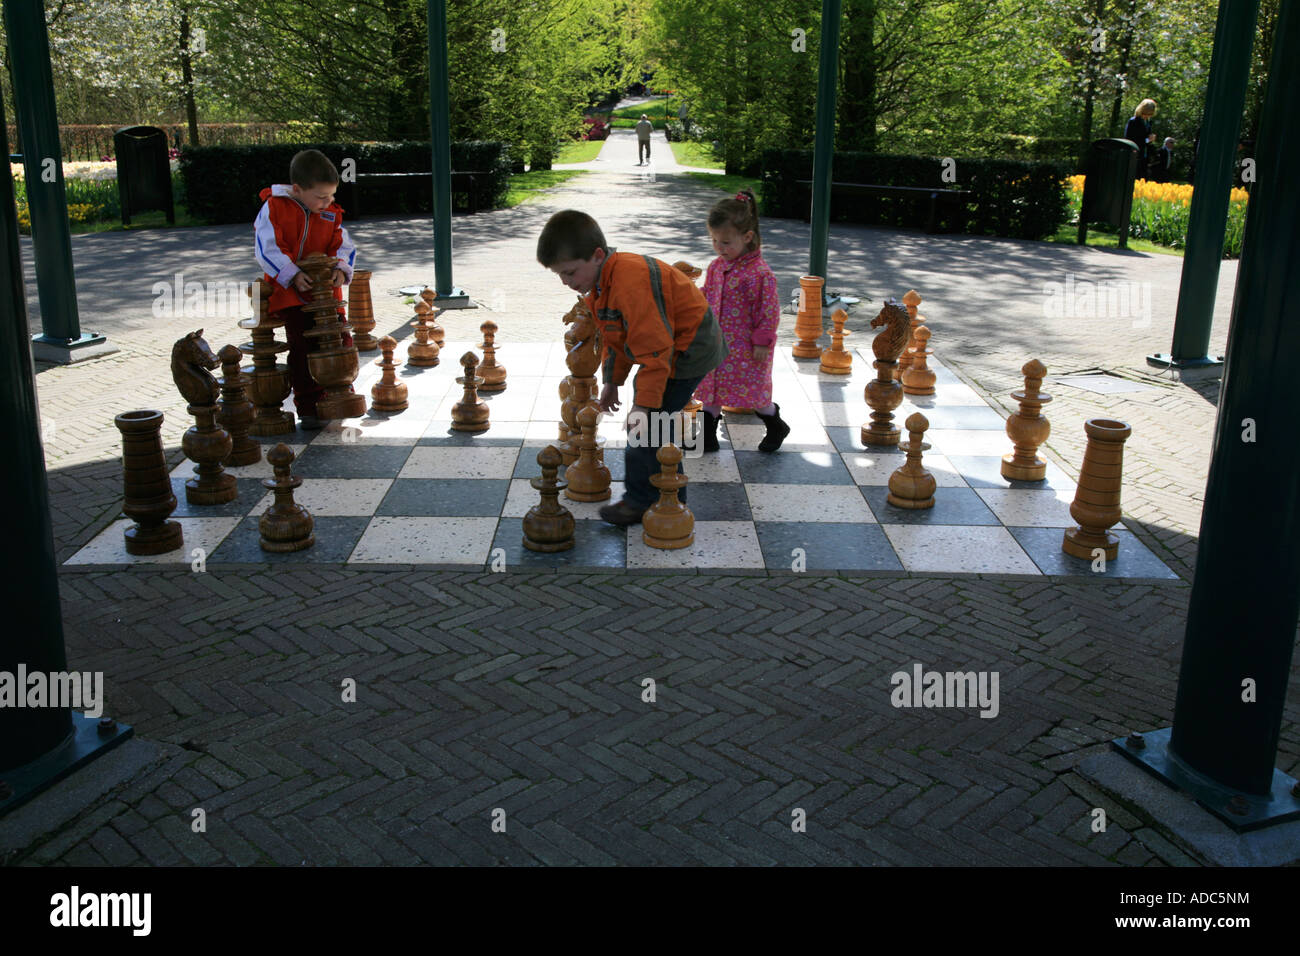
{"x":1028,"y":428}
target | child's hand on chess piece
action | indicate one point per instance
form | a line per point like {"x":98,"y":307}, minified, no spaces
{"x":761,"y":352}
{"x":608,"y":401}
{"x":301,"y":282}
{"x":639,"y":413}
{"x":340,"y":277}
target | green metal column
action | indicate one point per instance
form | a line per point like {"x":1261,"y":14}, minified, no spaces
{"x":33,"y":79}
{"x":440,"y":126}
{"x":1225,"y":97}
{"x":828,"y":75}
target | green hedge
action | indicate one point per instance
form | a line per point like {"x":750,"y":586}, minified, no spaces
{"x":1021,"y":200}
{"x":222,"y":183}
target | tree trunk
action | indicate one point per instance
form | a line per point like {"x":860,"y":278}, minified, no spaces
{"x":857,"y":101}
{"x":1126,"y":46}
{"x":187,"y":80}
{"x":1094,"y":68}
{"x":408,"y":113}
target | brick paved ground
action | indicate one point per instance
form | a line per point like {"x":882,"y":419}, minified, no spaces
{"x":523,"y":691}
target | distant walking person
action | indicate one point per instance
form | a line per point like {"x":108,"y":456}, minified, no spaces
{"x":1164,"y":162}
{"x":643,"y":130}
{"x":1138,"y":131}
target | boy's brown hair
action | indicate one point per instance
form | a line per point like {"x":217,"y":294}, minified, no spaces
{"x":740,"y":213}
{"x":569,"y":234}
{"x":310,"y":167}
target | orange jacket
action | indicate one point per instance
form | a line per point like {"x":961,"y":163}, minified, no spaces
{"x":655,"y":317}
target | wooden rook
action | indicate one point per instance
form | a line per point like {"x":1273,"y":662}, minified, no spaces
{"x":361,"y":311}
{"x":808,"y":323}
{"x":493,"y":375}
{"x":548,"y":526}
{"x":1096,"y":500}
{"x":883,"y":393}
{"x":588,"y":477}
{"x":836,"y":361}
{"x":333,"y":363}
{"x":436,"y":333}
{"x":668,"y":524}
{"x":388,"y":394}
{"x":206,"y":443}
{"x":1028,"y":428}
{"x":236,"y":415}
{"x":911,"y":486}
{"x":423,"y":352}
{"x":269,"y":381}
{"x":469,"y":414}
{"x":919,"y":378}
{"x":911,"y":302}
{"x":149,"y":501}
{"x":286,"y":526}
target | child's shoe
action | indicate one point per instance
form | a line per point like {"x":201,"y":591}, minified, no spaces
{"x":777,"y":430}
{"x":711,"y":432}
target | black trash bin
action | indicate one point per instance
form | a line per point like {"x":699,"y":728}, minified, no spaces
{"x":144,"y":175}
{"x":1111,"y":169}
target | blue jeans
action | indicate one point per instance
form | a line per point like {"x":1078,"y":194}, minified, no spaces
{"x":640,"y":463}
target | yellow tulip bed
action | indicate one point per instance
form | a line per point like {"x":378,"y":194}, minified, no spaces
{"x":1161,"y":211}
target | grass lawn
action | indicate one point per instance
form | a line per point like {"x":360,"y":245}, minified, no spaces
{"x":729,"y":184}
{"x":524,"y":186}
{"x":696,"y":154}
{"x":582,"y":151}
{"x":1069,"y":235}
{"x":626,"y":117}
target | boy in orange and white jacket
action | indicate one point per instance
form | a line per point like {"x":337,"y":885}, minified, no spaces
{"x":296,"y":221}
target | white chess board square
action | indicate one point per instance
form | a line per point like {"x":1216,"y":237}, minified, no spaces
{"x":874,"y":468}
{"x":258,"y":469}
{"x":718,"y":544}
{"x":836,"y":503}
{"x":422,"y":540}
{"x":330,"y":497}
{"x":109,"y":546}
{"x":434,"y":461}
{"x":959,"y":549}
{"x":1029,"y":508}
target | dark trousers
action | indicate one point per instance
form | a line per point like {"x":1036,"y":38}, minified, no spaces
{"x":642,"y":146}
{"x":306,"y":393}
{"x":640,"y":463}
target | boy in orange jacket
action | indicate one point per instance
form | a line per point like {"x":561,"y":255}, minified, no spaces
{"x":653,"y":316}
{"x":296,"y":221}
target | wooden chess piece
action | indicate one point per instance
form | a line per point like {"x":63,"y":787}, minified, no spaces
{"x":884,"y":394}
{"x":588,"y":478}
{"x":236,"y":415}
{"x":423,"y":353}
{"x":333,"y":363}
{"x":1028,"y":428}
{"x":688,"y":270}
{"x":836,"y":361}
{"x":566,"y":412}
{"x":808,"y":323}
{"x":205,"y":442}
{"x":668,"y":524}
{"x":693,"y":408}
{"x":388,"y":394}
{"x":269,"y":381}
{"x":469,"y":414}
{"x":1096,"y":500}
{"x":361,"y":311}
{"x":149,"y":501}
{"x":286,"y":526}
{"x":436,"y":333}
{"x":548,"y":526}
{"x":919,"y":378}
{"x":911,"y":302}
{"x":911,"y":486}
{"x":493,"y":375}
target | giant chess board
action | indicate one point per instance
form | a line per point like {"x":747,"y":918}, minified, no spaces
{"x":404,"y":489}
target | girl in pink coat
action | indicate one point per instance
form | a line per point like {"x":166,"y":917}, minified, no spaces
{"x":741,"y":290}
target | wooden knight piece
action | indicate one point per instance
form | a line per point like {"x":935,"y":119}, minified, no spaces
{"x":911,"y":302}
{"x":236,"y":415}
{"x":469,"y":414}
{"x":206,"y":443}
{"x":808,"y":323}
{"x":361,"y":311}
{"x":333,"y":363}
{"x":269,"y":381}
{"x":286,"y":525}
{"x":1028,"y":428}
{"x":548,"y":526}
{"x":911,"y":486}
{"x":436,"y":333}
{"x":919,"y":378}
{"x":423,"y":352}
{"x":884,"y":394}
{"x":493,"y":375}
{"x":836,"y":361}
{"x":388,"y":394}
{"x":1096,"y":499}
{"x":668,"y":524}
{"x":588,"y":477}
{"x":149,"y":501}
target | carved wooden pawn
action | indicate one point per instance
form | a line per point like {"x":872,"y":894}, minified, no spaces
{"x":334,"y":363}
{"x":269,"y":381}
{"x":436,"y":333}
{"x":147,"y":487}
{"x":469,"y":414}
{"x":493,"y":375}
{"x":911,"y":486}
{"x":361,"y":311}
{"x":548,"y":526}
{"x":836,"y":361}
{"x":588,"y":477}
{"x":1096,"y":500}
{"x":911,"y":302}
{"x":285,"y":526}
{"x":206,"y":443}
{"x":883,"y":393}
{"x":388,"y":394}
{"x":668,"y":524}
{"x":1028,"y":428}
{"x":919,"y":378}
{"x":236,"y":415}
{"x":422,"y":353}
{"x":808,"y":323}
